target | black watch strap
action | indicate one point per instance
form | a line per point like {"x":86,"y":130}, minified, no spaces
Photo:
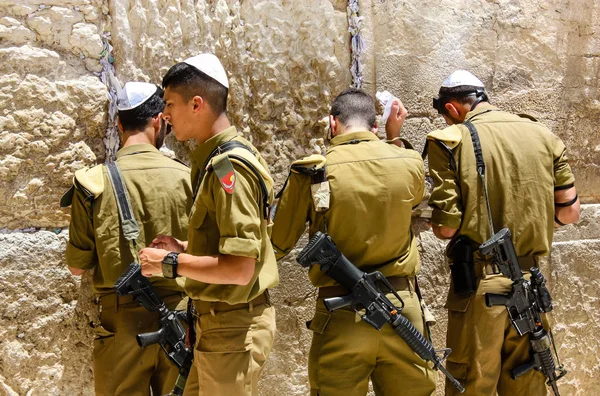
{"x":169,"y":265}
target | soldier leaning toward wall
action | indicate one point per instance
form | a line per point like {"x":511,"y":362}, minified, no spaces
{"x":228,"y":259}
{"x":531,"y":190}
{"x":160,"y":196}
{"x":374,"y":186}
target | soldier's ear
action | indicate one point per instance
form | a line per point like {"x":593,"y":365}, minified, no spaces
{"x":452,"y":110}
{"x":333,"y":125}
{"x":198,"y":104}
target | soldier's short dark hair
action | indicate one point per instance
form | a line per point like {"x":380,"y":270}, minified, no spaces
{"x":354,"y":105}
{"x":462,"y":93}
{"x":188,"y":81}
{"x":138,"y":118}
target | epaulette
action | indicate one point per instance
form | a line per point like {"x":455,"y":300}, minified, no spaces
{"x":529,"y":117}
{"x":450,"y":136}
{"x":180,"y":161}
{"x":309,"y":165}
{"x":314,"y":166}
{"x":88,"y":180}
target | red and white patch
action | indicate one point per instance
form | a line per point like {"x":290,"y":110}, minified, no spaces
{"x":228,"y":182}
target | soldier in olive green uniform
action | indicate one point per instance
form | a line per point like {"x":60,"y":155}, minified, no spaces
{"x":160,"y":197}
{"x":227,"y":259}
{"x":530,"y":187}
{"x":373,"y":188}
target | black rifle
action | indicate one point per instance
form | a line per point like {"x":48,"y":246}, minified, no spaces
{"x":525,"y":304}
{"x":365,"y":293}
{"x":171,"y":335}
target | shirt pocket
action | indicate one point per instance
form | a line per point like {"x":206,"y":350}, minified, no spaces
{"x":197,"y":234}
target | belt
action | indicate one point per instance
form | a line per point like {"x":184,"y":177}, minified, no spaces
{"x":206,"y":307}
{"x":397,"y":282}
{"x":114,"y":300}
{"x":487,"y":268}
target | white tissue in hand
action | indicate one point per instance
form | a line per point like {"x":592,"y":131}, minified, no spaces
{"x":386,"y":99}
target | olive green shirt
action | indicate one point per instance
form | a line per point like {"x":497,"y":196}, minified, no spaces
{"x":233,"y":224}
{"x":525,"y":162}
{"x":374,"y":187}
{"x":160,"y":195}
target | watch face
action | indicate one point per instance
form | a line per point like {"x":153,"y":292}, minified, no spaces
{"x":167,"y":270}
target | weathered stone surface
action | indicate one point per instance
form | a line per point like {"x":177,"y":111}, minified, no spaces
{"x":45,"y":337}
{"x":284,"y":61}
{"x":53,"y":109}
{"x":535,"y":58}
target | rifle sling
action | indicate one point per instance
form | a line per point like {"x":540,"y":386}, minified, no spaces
{"x":480,"y":163}
{"x":129,"y":225}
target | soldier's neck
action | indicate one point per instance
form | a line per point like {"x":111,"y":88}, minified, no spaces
{"x":141,"y":137}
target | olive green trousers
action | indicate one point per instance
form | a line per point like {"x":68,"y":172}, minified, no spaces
{"x":121,"y":367}
{"x":486,"y":347}
{"x":346,"y":352}
{"x":232,"y":348}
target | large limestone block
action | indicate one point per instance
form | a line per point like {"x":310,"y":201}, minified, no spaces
{"x":45,"y":337}
{"x":53,"y":113}
{"x":539,"y":58}
{"x":52,"y":122}
{"x":284,"y":59}
{"x":576,"y":319}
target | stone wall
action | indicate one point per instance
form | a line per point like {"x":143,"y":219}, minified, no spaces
{"x":286,"y":60}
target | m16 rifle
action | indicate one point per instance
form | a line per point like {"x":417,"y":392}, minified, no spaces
{"x":525,"y":304}
{"x":365,"y":293}
{"x":170,"y":335}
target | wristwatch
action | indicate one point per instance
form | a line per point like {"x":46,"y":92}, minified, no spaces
{"x":169,"y":265}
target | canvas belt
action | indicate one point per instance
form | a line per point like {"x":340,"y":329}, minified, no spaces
{"x":399,"y":283}
{"x":212,"y":307}
{"x":113,"y":300}
{"x":486,"y":268}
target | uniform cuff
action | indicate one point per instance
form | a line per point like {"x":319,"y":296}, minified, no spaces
{"x":79,"y":258}
{"x":239,"y":247}
{"x":446,"y":219}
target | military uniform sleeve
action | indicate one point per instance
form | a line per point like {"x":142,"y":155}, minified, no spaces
{"x":81,"y":248}
{"x":238,"y":215}
{"x":445,"y":197}
{"x":419,"y":182}
{"x":291,"y":214}
{"x":563,"y":176}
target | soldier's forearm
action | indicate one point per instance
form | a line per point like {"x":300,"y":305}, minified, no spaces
{"x":222,"y":269}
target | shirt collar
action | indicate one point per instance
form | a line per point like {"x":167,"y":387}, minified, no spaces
{"x":201,"y":153}
{"x":481,"y":108}
{"x":136,"y":148}
{"x":349,"y":137}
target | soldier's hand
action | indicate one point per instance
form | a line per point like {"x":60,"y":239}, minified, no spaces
{"x":169,"y":243}
{"x":396,"y":119}
{"x":151,"y":261}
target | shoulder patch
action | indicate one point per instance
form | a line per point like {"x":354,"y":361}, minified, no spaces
{"x":225,"y":172}
{"x":308,"y":165}
{"x":451,"y":136}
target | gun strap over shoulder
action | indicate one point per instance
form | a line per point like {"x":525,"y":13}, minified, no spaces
{"x":480,"y":169}
{"x":129,"y":226}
